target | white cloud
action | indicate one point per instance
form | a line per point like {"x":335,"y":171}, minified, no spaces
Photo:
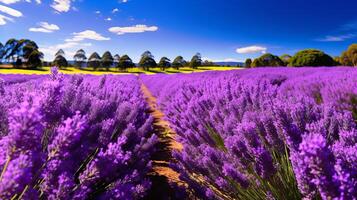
{"x":108,"y":19}
{"x":9,"y":1}
{"x":339,"y":38}
{"x":45,"y":27}
{"x":4,"y":19}
{"x":124,"y":1}
{"x":115,"y":10}
{"x":251,"y":49}
{"x":10,"y":11}
{"x":97,"y":12}
{"x":15,"y":1}
{"x":87,"y":34}
{"x":133,"y":29}
{"x":61,"y":5}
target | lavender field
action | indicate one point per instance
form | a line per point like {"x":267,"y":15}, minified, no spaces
{"x":262,"y":133}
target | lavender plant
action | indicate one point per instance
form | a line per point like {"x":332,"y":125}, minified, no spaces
{"x":74,"y":137}
{"x":264,"y":133}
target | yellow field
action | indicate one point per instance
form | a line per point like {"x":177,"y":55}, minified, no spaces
{"x":46,"y":70}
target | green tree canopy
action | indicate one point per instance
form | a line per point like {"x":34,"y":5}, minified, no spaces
{"x":35,"y":59}
{"x":107,"y":60}
{"x":80,"y":58}
{"x":196,"y":61}
{"x":147,"y":60}
{"x":286,"y":59}
{"x":19,"y":52}
{"x":94,"y":61}
{"x":349,"y":57}
{"x":312,"y":58}
{"x":164,"y":63}
{"x":178,"y":62}
{"x":60,"y":61}
{"x":125,"y":62}
{"x":248,"y":63}
{"x":267,"y":60}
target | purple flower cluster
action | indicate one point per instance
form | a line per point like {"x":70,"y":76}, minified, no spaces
{"x":74,"y":137}
{"x":264,"y":133}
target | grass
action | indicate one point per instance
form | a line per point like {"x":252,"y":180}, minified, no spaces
{"x":46,"y":70}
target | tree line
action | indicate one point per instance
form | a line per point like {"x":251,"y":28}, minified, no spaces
{"x":307,"y":57}
{"x":25,"y":53}
{"x":107,"y":61}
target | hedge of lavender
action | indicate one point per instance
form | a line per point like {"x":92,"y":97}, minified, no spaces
{"x":273,"y":133}
{"x":74,"y":137}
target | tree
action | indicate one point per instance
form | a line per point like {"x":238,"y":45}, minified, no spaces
{"x":178,"y":62}
{"x":196,"y":61}
{"x":80,"y":58}
{"x":60,"y":61}
{"x":107,"y":60}
{"x":18,"y":52}
{"x":267,"y":60}
{"x":35,"y":59}
{"x":147,"y":61}
{"x":164,"y":63}
{"x":248,"y":63}
{"x":286,"y":59}
{"x":60,"y":53}
{"x":312,"y":58}
{"x":125,"y":62}
{"x":94,"y":61}
{"x":10,"y":49}
{"x":349,"y":57}
{"x":116,"y":60}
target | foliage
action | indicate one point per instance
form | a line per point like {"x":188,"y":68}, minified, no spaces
{"x":286,"y":59}
{"x":107,"y":60}
{"x":94,"y":61}
{"x":20,"y":52}
{"x":349,"y":57}
{"x":60,"y":61}
{"x":147,"y":60}
{"x":196,"y":61}
{"x":80,"y":58}
{"x":178,"y":62}
{"x":248,"y":63}
{"x":311,"y":58}
{"x":164,"y":63}
{"x":125,"y":62}
{"x":267,"y":60}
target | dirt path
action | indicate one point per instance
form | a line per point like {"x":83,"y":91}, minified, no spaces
{"x":162,"y":174}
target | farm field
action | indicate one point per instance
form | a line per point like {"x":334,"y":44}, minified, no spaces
{"x":46,"y":70}
{"x":264,"y":133}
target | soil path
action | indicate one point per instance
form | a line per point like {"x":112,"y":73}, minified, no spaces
{"x":162,"y":174}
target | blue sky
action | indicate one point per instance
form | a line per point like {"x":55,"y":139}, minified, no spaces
{"x":229,"y":30}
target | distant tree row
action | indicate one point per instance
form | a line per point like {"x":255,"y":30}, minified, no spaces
{"x":124,"y":62}
{"x":308,"y":57}
{"x":22,"y":53}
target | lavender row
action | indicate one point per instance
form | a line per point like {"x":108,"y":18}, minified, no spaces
{"x":74,"y":137}
{"x":264,"y":133}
